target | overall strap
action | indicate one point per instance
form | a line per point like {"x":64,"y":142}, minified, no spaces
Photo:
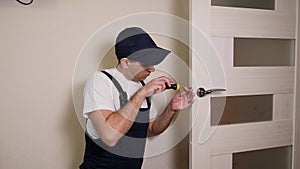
{"x":122,"y":94}
{"x":148,"y":99}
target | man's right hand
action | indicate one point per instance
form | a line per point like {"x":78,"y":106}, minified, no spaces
{"x":156,"y":85}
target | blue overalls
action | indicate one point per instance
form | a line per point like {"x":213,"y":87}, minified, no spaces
{"x":129,"y":151}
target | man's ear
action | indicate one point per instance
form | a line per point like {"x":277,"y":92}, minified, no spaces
{"x":124,"y":62}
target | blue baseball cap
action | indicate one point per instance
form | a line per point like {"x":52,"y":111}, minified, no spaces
{"x":135,"y":44}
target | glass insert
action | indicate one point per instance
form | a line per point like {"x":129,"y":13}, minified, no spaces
{"x":263,"y":52}
{"x":257,"y":4}
{"x":241,"y":109}
{"x":273,"y":158}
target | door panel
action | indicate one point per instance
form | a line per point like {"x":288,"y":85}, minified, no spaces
{"x":213,"y":146}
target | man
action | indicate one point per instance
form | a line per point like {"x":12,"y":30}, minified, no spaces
{"x":118,"y":106}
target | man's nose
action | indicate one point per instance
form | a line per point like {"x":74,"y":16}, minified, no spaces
{"x":151,"y":69}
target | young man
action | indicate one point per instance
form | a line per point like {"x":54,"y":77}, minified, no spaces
{"x":118,"y":106}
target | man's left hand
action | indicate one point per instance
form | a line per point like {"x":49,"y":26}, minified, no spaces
{"x":183,"y":100}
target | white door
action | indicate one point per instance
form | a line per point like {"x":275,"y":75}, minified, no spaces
{"x":249,"y":50}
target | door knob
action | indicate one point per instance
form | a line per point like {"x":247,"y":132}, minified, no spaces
{"x":201,"y":92}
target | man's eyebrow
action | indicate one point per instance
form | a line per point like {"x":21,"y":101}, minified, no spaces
{"x":145,"y":65}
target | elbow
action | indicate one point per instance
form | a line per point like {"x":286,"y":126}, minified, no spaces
{"x":110,"y":141}
{"x":153,"y":132}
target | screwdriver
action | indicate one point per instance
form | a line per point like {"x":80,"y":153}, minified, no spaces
{"x":173,"y":86}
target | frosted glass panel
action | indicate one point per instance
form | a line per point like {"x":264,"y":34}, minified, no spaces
{"x":258,"y":4}
{"x":274,"y":158}
{"x":263,"y":52}
{"x":241,"y":109}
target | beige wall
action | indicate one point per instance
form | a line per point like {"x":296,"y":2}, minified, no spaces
{"x":39,"y":46}
{"x":297,"y":111}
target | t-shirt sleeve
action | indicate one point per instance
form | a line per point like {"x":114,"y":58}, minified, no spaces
{"x":97,"y":94}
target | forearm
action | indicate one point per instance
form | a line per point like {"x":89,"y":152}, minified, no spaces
{"x":163,"y":121}
{"x":111,"y":126}
{"x":122,"y":120}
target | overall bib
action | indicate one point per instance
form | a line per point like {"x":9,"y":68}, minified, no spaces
{"x":129,"y":151}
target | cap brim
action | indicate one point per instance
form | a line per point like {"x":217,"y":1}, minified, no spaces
{"x":150,"y":56}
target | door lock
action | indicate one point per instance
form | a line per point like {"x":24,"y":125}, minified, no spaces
{"x":201,"y":92}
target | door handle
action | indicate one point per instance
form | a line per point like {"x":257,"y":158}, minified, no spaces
{"x":201,"y":92}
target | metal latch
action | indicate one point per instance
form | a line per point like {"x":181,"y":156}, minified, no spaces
{"x":201,"y":92}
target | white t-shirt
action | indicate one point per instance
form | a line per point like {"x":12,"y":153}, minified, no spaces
{"x":101,"y":94}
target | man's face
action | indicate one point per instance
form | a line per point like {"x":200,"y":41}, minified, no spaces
{"x":140,"y":71}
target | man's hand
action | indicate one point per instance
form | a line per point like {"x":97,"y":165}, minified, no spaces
{"x":156,"y":85}
{"x":182,"y":100}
